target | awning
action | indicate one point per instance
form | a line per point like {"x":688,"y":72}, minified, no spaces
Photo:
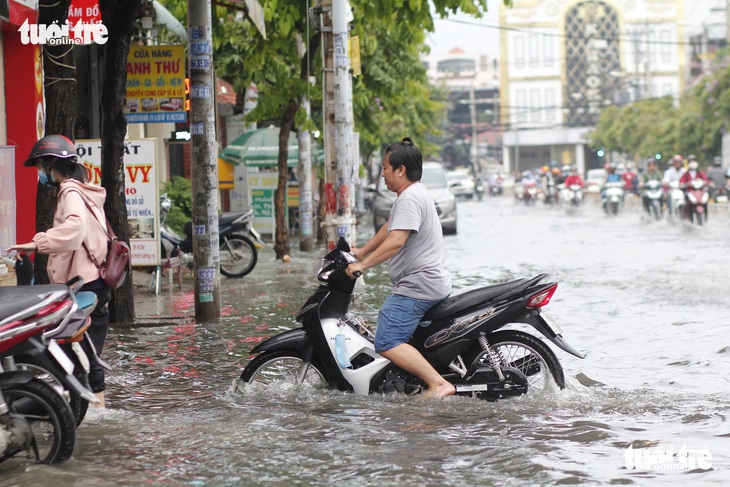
{"x":260,"y":148}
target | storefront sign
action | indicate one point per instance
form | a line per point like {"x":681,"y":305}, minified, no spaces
{"x":155,"y":84}
{"x":140,"y":183}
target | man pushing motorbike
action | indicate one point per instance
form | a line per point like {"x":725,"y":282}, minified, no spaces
{"x":412,"y":242}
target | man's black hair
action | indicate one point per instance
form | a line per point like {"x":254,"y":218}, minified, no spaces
{"x":405,"y":153}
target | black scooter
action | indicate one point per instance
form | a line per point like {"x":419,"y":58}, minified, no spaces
{"x":464,"y":338}
{"x":239,"y":241}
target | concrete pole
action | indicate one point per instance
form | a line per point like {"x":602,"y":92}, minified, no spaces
{"x":305,"y":184}
{"x":476,"y":170}
{"x":204,"y":162}
{"x":344,"y":217}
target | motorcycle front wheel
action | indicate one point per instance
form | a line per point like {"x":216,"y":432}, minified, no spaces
{"x":238,"y":256}
{"x":283,"y":367}
{"x":531,"y":356}
{"x":49,"y":416}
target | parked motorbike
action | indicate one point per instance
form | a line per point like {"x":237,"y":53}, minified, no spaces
{"x":34,"y":417}
{"x":697,"y":199}
{"x":239,"y":241}
{"x":571,"y":197}
{"x":652,"y":196}
{"x":613,"y":197}
{"x":464,"y":338}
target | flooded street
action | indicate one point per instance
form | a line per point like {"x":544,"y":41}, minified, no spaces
{"x":646,"y":301}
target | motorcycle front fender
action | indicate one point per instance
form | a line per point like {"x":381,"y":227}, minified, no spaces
{"x":12,"y":378}
{"x":295,"y":339}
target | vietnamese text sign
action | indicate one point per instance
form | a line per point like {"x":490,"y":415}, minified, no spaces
{"x":262,"y":185}
{"x":140,"y":183}
{"x":7,"y":197}
{"x":155,"y":84}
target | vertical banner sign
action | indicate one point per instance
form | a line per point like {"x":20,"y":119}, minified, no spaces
{"x":140,"y":183}
{"x":155,"y":84}
{"x":7,"y":197}
{"x":262,"y":185}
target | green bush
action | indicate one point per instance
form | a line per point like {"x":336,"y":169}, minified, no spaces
{"x":180,"y":192}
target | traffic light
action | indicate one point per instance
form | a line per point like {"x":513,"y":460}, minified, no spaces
{"x":658,"y":157}
{"x":600,"y":152}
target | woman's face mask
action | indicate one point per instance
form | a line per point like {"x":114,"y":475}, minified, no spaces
{"x":44,"y":180}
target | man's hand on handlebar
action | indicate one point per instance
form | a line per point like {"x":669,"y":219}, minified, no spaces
{"x":355,"y":270}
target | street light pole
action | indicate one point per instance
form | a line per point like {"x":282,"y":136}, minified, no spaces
{"x":474,"y":142}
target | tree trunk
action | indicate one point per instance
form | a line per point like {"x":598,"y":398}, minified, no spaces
{"x":281,"y":242}
{"x":59,"y":82}
{"x":119,"y":19}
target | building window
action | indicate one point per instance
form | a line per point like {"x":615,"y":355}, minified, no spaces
{"x":483,"y":63}
{"x":519,"y":52}
{"x":534,"y":51}
{"x":550,"y":104}
{"x":547,"y":50}
{"x":667,"y":89}
{"x":535,"y":107}
{"x":665,"y":47}
{"x":456,"y":66}
{"x":520,"y":106}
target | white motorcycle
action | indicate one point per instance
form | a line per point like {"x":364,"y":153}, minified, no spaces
{"x":676,"y":200}
{"x":571,"y":197}
{"x":653,"y":193}
{"x":613,"y":197}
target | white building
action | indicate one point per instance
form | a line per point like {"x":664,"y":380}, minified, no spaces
{"x":458,"y":70}
{"x":562,"y":61}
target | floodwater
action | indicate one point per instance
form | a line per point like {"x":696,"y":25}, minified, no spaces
{"x":648,"y":406}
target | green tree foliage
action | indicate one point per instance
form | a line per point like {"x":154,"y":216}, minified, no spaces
{"x":652,"y":126}
{"x":180,"y":192}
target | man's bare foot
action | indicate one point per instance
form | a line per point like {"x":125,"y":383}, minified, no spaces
{"x":443,"y":389}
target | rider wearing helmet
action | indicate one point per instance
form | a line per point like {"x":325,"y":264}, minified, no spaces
{"x":78,"y":236}
{"x":652,"y":172}
{"x":630,"y":178}
{"x":612,"y":176}
{"x":693,"y":172}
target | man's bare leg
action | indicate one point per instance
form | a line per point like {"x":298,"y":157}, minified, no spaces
{"x":409,"y":359}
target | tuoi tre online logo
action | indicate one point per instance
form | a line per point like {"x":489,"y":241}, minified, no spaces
{"x":59,"y":34}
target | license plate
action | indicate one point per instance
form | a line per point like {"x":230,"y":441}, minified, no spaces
{"x":61,"y":356}
{"x":83,"y":358}
{"x":552,"y":323}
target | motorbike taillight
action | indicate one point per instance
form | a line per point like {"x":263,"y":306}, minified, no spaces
{"x":542,"y":298}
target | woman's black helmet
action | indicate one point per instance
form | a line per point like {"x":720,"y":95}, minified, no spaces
{"x":52,"y":146}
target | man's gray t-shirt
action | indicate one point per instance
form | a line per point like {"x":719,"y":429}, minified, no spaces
{"x":418,"y":269}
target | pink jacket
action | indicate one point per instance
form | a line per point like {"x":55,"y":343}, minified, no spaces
{"x":73,"y":225}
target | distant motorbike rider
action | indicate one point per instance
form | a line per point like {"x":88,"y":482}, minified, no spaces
{"x":611,"y":177}
{"x":716,"y":175}
{"x":630,"y":178}
{"x":548,"y":184}
{"x":574,"y":178}
{"x":652,"y":172}
{"x":693,"y":173}
{"x":673,"y":174}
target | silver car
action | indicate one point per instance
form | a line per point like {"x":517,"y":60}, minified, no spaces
{"x":434,"y":178}
{"x":461,"y":184}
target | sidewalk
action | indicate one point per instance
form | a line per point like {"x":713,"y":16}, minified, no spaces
{"x":271,"y":283}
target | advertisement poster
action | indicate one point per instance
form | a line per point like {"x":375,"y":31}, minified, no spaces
{"x":140,"y":170}
{"x":261,"y":186}
{"x":7,"y":197}
{"x":155,"y":84}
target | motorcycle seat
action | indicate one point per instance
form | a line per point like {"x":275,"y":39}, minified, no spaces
{"x":228,"y":218}
{"x":476,"y":297}
{"x":15,"y":299}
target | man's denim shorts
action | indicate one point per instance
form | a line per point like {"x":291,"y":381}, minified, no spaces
{"x":398,"y":318}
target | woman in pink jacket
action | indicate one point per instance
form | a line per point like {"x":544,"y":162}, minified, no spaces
{"x":73,"y":226}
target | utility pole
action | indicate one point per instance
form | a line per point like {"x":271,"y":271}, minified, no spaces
{"x":475,"y":169}
{"x":339,"y":174}
{"x":305,"y":184}
{"x":204,"y":169}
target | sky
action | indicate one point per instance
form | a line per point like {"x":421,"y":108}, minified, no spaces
{"x":464,"y":31}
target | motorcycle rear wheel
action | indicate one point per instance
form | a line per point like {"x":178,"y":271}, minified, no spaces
{"x":240,"y":258}
{"x":531,"y":356}
{"x":49,"y":416}
{"x":282,"y":366}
